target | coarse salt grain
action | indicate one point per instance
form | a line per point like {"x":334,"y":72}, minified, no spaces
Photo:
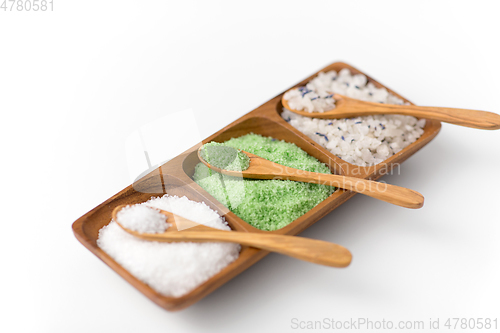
{"x":143,"y":219}
{"x":172,"y":269}
{"x":362,"y":141}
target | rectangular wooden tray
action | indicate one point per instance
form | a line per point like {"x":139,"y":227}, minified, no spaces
{"x":174,"y":177}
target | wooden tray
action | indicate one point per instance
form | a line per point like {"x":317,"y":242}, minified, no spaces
{"x":174,"y":178}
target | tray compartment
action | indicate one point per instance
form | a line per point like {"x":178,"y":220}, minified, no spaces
{"x":266,"y":127}
{"x":431,"y":129}
{"x":87,"y":228}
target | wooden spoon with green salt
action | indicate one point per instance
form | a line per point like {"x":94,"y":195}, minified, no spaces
{"x":346,"y":107}
{"x":180,"y":229}
{"x":238,"y":163}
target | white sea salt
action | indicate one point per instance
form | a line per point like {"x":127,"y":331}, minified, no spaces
{"x":143,"y":219}
{"x":362,"y":141}
{"x":172,"y":269}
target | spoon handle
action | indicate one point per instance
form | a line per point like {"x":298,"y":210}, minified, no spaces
{"x":312,"y":250}
{"x":463,"y":117}
{"x":389,"y":193}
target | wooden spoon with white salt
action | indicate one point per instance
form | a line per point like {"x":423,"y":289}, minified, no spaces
{"x":184,"y":230}
{"x":346,"y":107}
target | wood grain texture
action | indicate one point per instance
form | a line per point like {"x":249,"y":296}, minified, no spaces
{"x":346,"y":107}
{"x":174,"y":177}
{"x":261,"y":168}
{"x":184,"y":230}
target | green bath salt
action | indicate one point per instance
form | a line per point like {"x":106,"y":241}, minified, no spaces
{"x":266,"y":204}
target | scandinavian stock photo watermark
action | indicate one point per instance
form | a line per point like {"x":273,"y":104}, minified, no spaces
{"x":364,"y":323}
{"x":146,"y":152}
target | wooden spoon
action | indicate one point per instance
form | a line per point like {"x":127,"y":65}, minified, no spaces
{"x":184,"y":230}
{"x":261,"y":168}
{"x":346,"y":107}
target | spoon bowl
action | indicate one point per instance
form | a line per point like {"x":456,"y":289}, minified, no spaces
{"x":184,"y":230}
{"x":346,"y":107}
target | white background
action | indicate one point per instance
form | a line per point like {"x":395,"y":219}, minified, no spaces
{"x":76,"y":82}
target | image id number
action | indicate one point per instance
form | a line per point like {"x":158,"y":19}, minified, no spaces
{"x":27,"y":5}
